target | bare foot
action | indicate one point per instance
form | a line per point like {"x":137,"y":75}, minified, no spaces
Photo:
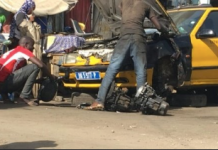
{"x":27,"y":101}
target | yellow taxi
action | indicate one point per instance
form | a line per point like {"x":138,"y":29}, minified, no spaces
{"x":195,"y":36}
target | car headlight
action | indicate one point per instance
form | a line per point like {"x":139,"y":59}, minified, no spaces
{"x":70,"y":58}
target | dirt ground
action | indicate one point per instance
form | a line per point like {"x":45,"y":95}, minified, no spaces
{"x":58,"y":126}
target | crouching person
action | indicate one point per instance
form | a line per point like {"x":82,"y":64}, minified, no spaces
{"x":16,"y":75}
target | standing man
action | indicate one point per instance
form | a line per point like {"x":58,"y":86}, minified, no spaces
{"x":16,"y":75}
{"x":132,"y":44}
{"x":20,"y":24}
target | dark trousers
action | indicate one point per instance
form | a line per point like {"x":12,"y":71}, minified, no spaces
{"x":21,"y":80}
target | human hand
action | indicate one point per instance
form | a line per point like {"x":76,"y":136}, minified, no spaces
{"x":164,"y":29}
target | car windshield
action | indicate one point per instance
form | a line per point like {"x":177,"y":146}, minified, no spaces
{"x":186,"y":20}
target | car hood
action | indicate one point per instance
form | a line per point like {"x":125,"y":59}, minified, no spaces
{"x":112,"y":14}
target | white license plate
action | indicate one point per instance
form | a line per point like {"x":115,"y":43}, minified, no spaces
{"x":92,"y":75}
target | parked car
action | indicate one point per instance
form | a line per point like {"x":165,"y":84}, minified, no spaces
{"x":194,"y":34}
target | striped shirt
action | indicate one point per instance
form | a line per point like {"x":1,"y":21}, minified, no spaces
{"x":13,"y":60}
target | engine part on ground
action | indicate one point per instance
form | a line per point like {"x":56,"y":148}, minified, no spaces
{"x":146,"y":101}
{"x":118,"y":101}
{"x":150,"y":102}
{"x":48,"y":90}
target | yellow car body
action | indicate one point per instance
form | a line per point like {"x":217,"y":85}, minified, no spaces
{"x":124,"y":78}
{"x":204,"y":54}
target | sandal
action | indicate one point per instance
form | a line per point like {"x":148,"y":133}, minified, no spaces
{"x":95,"y":107}
{"x":83,"y":105}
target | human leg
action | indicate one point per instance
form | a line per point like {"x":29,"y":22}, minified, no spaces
{"x":138,"y":54}
{"x":23,"y":78}
{"x":120,"y":53}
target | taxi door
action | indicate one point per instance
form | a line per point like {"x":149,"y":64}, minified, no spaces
{"x":205,"y":50}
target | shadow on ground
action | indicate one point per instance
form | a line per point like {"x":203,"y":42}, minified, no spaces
{"x":12,"y":106}
{"x":68,"y":105}
{"x":29,"y":145}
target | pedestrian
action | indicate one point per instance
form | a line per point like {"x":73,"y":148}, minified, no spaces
{"x":20,"y":24}
{"x":131,"y":45}
{"x":16,"y":75}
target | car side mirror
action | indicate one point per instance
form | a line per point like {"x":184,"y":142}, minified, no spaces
{"x":206,"y":33}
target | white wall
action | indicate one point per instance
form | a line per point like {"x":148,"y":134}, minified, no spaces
{"x":204,"y":1}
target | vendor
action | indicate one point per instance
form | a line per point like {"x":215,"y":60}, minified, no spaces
{"x":21,"y":24}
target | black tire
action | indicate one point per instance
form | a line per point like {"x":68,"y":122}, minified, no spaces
{"x":47,"y":85}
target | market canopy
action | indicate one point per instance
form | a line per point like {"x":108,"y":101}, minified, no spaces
{"x":43,"y":7}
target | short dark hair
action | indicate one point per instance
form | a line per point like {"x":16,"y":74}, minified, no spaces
{"x":26,"y":40}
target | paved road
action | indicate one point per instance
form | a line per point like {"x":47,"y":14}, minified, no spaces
{"x":52,"y":126}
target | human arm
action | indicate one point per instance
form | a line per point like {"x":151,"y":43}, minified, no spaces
{"x":161,"y":27}
{"x":42,"y":66}
{"x":157,"y":23}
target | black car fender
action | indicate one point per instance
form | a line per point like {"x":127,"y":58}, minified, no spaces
{"x":157,"y":50}
{"x":169,"y":67}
